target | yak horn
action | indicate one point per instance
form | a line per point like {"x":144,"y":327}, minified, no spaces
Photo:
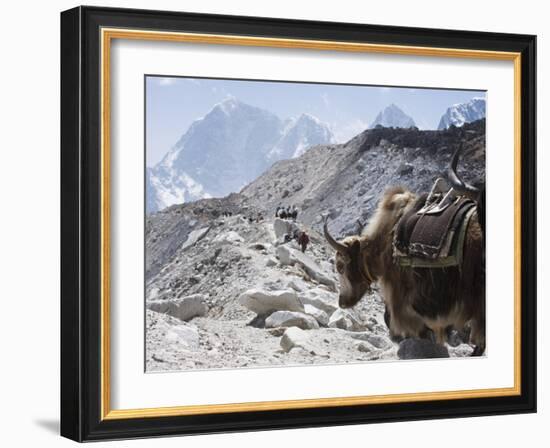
{"x":338,"y":247}
{"x":456,"y":182}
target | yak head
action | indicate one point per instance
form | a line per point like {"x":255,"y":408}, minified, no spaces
{"x":359,"y":259}
{"x":351,"y":265}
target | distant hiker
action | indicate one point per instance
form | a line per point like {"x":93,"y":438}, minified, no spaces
{"x":294,"y":213}
{"x":288,"y":238}
{"x":277,"y":210}
{"x":303,"y":241}
{"x":282,"y":214}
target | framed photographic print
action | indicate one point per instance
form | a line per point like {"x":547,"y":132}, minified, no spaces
{"x":276,"y":224}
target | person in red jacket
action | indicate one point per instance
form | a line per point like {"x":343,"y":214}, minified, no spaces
{"x":303,"y":240}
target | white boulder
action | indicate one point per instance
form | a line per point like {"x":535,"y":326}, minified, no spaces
{"x":282,"y":227}
{"x":320,"y":299}
{"x":345,"y":320}
{"x":294,"y":337}
{"x":264,"y":302}
{"x":284,"y":255}
{"x":375,"y":340}
{"x":168,"y":339}
{"x":231,"y":237}
{"x":365,"y":347}
{"x":319,"y":315}
{"x":291,"y":319}
{"x":183,"y":308}
{"x":194,"y":236}
{"x":462,"y":350}
{"x":297,"y":285}
{"x":185,"y":335}
{"x":152,"y":294}
{"x":290,"y":256}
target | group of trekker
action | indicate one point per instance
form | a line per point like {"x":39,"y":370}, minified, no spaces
{"x":258,"y":218}
{"x":300,"y":236}
{"x":287,"y":212}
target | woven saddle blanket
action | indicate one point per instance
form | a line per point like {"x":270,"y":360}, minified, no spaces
{"x":432,"y":234}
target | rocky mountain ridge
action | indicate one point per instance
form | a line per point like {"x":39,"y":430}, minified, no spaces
{"x":346,"y":181}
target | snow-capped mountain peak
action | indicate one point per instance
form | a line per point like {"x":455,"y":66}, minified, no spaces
{"x":229,"y":104}
{"x":305,"y":117}
{"x":393,"y":117}
{"x":298,"y":135}
{"x":226,"y":149}
{"x":461,"y":113}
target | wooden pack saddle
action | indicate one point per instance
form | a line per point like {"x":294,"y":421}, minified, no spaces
{"x":432,"y":233}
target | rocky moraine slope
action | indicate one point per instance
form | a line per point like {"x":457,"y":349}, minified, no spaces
{"x":224,"y":289}
{"x":347,"y":180}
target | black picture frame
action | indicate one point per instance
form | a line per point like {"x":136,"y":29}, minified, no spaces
{"x":81,"y":380}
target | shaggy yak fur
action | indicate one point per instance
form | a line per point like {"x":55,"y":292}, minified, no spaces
{"x":417,"y":299}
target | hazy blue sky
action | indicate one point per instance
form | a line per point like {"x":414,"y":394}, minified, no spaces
{"x":174,"y":103}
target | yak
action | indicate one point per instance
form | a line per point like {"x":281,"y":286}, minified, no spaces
{"x":416,"y":299}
